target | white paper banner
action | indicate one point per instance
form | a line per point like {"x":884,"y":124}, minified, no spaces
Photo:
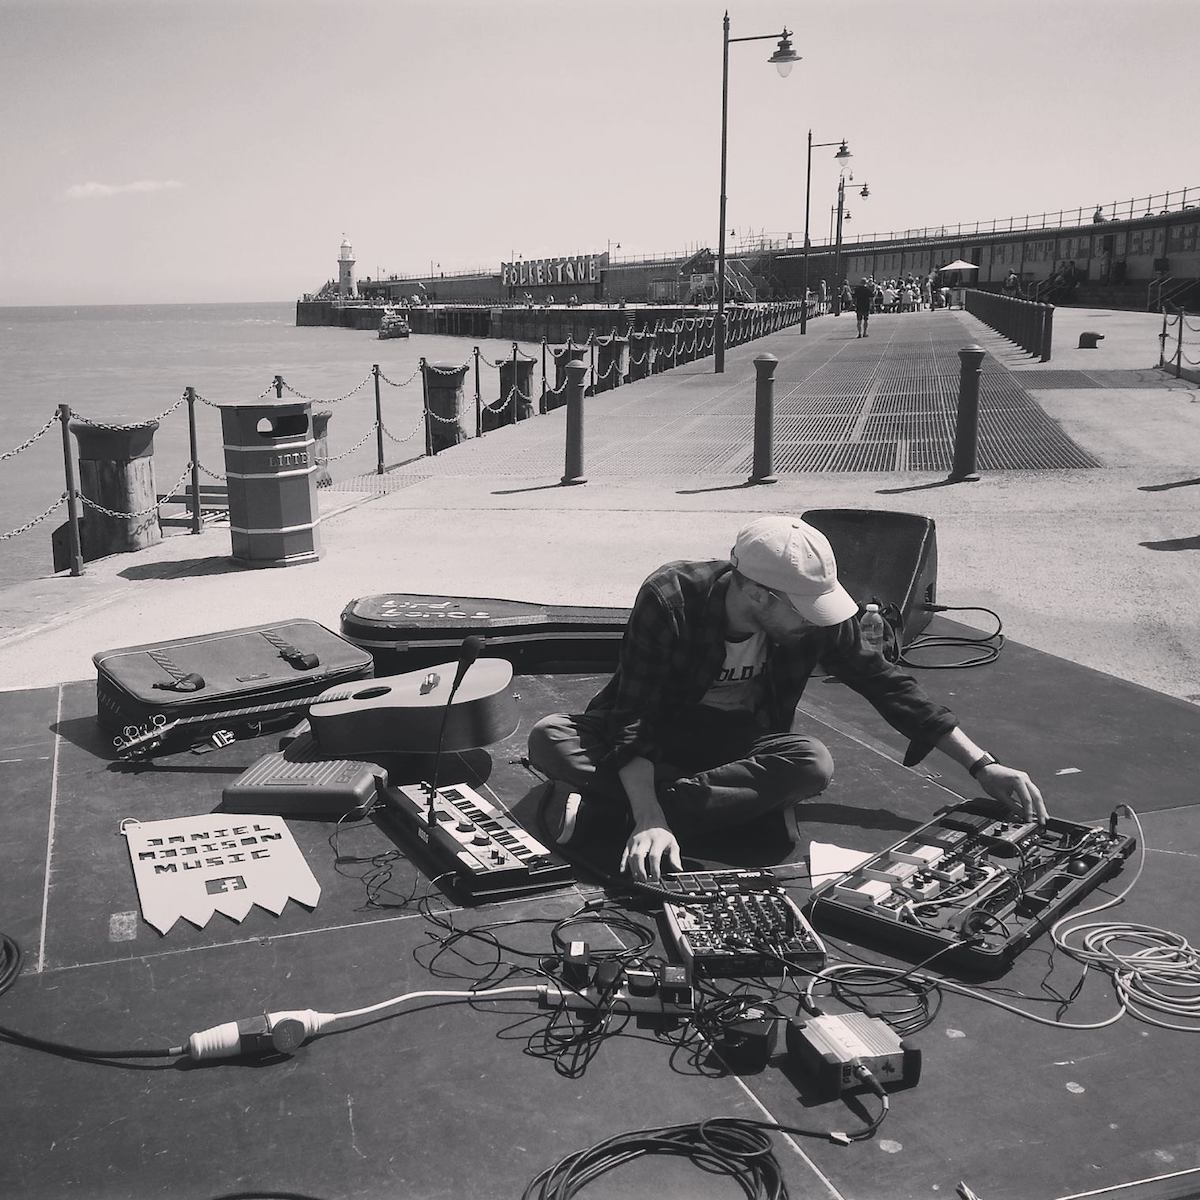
{"x":192,"y":867}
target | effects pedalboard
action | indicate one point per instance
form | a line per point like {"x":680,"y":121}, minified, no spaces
{"x":971,"y":886}
{"x":737,"y":922}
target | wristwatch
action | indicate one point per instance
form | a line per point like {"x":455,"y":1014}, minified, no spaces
{"x":984,"y":760}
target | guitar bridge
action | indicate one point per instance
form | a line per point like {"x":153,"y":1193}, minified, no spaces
{"x":430,"y":682}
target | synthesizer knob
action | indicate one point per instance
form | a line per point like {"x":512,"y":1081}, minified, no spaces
{"x":481,"y":839}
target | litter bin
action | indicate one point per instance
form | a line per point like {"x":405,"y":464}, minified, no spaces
{"x":270,"y":463}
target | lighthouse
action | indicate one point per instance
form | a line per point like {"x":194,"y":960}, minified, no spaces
{"x":346,"y":283}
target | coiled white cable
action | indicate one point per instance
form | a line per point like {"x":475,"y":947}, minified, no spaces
{"x":1156,"y":972}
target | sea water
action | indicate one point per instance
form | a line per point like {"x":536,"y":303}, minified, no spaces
{"x":127,"y":363}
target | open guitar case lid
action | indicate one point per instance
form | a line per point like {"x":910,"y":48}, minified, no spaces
{"x":406,"y":631}
{"x":215,"y":673}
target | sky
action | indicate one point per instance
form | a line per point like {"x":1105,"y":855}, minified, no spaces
{"x":162,"y":151}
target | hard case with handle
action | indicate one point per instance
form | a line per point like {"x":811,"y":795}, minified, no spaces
{"x":279,"y":667}
{"x":406,"y":631}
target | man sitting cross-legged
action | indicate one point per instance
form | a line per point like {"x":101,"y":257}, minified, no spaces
{"x":695,"y":732}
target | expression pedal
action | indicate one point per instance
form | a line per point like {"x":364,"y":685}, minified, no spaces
{"x":488,"y":854}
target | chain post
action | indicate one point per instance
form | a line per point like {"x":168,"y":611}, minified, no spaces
{"x":542,"y":397}
{"x":1179,"y":345}
{"x":378,"y":422}
{"x":478,"y":399}
{"x":64,"y":416}
{"x":278,"y":385}
{"x":190,"y":393}
{"x":429,"y":450}
{"x":592,"y":356}
{"x":516,"y":409}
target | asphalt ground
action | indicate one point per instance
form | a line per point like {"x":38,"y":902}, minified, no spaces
{"x":1094,"y":564}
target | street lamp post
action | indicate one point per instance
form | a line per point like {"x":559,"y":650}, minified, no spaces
{"x":843,"y":214}
{"x":842,"y":156}
{"x":784,"y":58}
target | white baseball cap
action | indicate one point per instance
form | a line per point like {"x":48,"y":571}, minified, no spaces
{"x":789,"y":556}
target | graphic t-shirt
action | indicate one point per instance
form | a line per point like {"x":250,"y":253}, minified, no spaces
{"x":738,"y":685}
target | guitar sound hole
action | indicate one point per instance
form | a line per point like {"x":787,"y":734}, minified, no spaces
{"x":371,"y":693}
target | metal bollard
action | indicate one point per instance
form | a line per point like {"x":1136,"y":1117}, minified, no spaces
{"x":1047,"y":331}
{"x":764,"y":419}
{"x":966,"y":429}
{"x":577,"y":371}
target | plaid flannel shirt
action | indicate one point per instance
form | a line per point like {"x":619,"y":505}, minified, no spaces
{"x":674,"y":647}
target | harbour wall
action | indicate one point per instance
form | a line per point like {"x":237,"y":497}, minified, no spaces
{"x":558,"y":323}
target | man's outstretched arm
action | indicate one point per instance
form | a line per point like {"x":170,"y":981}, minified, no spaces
{"x":1006,"y":784}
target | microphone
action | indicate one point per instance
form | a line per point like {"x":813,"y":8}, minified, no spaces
{"x":467,"y":654}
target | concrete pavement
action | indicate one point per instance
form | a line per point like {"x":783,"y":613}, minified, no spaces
{"x":1096,"y":565}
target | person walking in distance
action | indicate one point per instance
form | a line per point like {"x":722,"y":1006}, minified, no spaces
{"x":864,"y":297}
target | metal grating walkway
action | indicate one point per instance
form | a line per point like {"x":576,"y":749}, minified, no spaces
{"x":886,"y":403}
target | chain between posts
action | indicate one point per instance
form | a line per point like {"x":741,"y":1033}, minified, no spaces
{"x":135,"y":516}
{"x":29,"y":441}
{"x":287,"y":387}
{"x":12,"y":533}
{"x":408,"y":437}
{"x":325,"y":461}
{"x":393,"y":383}
{"x":113,"y":425}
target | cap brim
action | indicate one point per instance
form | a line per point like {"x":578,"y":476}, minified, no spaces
{"x":829,"y":608}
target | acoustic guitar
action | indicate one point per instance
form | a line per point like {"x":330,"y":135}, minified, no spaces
{"x":403,"y":714}
{"x":394,"y":714}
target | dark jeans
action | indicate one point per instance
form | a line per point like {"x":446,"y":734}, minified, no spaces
{"x":716,"y":769}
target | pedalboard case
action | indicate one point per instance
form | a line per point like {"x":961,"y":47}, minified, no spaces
{"x":971,"y":888}
{"x":223,"y":673}
{"x":407,"y":631}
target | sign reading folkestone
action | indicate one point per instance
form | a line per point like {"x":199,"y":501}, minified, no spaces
{"x":546,"y":271}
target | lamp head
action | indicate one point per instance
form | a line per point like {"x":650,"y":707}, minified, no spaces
{"x":784,"y":57}
{"x":866,"y":191}
{"x":843,"y":156}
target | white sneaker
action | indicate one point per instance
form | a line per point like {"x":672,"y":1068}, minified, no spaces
{"x":570,"y":816}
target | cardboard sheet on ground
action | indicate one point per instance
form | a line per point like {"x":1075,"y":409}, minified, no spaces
{"x":194,"y":866}
{"x":827,"y":861}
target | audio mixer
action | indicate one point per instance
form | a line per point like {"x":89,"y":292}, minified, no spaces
{"x":736,"y":922}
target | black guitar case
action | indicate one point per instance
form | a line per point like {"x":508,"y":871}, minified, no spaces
{"x":282,"y":665}
{"x":405,"y":631}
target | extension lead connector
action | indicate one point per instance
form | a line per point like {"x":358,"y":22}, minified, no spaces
{"x":270,"y":1033}
{"x":673,"y":1002}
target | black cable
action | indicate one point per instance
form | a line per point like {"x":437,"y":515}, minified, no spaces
{"x":10,"y":962}
{"x":82,"y":1053}
{"x":735,"y":1147}
{"x":987,"y":647}
{"x":10,"y":969}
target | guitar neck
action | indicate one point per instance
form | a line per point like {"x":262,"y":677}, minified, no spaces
{"x":232,"y":714}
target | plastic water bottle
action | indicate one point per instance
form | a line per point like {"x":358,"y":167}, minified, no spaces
{"x":873,"y":632}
